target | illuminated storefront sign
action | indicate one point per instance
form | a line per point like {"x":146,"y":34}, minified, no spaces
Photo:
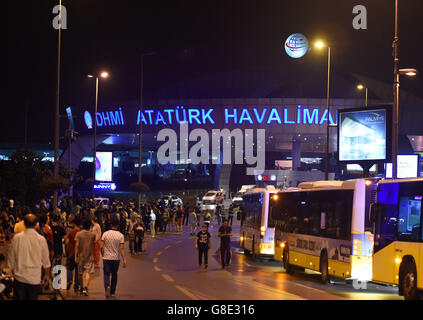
{"x":105,"y":187}
{"x":209,"y":116}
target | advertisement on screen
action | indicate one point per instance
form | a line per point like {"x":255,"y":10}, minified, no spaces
{"x":103,"y":166}
{"x":363,"y":135}
{"x":408,"y":166}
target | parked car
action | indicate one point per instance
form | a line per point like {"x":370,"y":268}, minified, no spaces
{"x":213,"y":197}
{"x":175,"y":201}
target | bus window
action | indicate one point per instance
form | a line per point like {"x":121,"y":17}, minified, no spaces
{"x":386,"y":227}
{"x":409,"y":218}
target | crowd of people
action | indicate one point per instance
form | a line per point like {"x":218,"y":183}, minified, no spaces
{"x":78,"y":231}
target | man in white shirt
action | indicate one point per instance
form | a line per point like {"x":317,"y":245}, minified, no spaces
{"x":153,"y":224}
{"x":27,"y":255}
{"x":112,"y":249}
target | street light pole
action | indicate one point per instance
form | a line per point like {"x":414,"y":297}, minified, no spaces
{"x":57,"y":115}
{"x":395,"y":117}
{"x":140,"y":132}
{"x":361,"y":87}
{"x":328,"y":122}
{"x":95,"y":128}
{"x":140,"y":129}
{"x":102,"y":75}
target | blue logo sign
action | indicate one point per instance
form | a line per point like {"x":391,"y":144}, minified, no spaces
{"x":296,"y":45}
{"x":105,"y":186}
{"x":88,"y":120}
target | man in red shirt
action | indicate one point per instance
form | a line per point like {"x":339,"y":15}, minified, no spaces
{"x":71,"y":266}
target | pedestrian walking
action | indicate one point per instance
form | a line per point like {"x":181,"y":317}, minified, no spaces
{"x":139,"y":231}
{"x":85,"y":240}
{"x":71,"y":265}
{"x":207,"y":218}
{"x":112,"y":247}
{"x":218,"y":213}
{"x":179,"y":214}
{"x":58,"y":235}
{"x":225,"y":234}
{"x":193,"y":222}
{"x":172,"y":214}
{"x":203,"y":244}
{"x":28,"y":255}
{"x":230,"y":214}
{"x":96,"y":229}
{"x":131,"y":233}
{"x":165,"y":220}
{"x":186,"y":213}
{"x":152,"y":223}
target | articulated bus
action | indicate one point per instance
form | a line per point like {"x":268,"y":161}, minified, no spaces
{"x":256,"y":234}
{"x":398,"y":229}
{"x":324,"y":226}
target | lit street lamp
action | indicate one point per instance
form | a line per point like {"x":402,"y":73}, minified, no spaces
{"x":57,"y":113}
{"x":361,"y":87}
{"x":397,"y":73}
{"x":321,"y":45}
{"x":103,"y":75}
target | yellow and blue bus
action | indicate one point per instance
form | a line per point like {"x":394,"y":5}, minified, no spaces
{"x":324,"y":226}
{"x":257,"y":230}
{"x":398,"y":229}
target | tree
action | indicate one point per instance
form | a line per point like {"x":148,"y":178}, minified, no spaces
{"x":27,"y":179}
{"x":139,"y":187}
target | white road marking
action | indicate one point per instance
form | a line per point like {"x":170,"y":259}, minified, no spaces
{"x":167,"y":247}
{"x":155,"y":260}
{"x":168,"y":278}
{"x":159,"y":253}
{"x":187,"y":293}
{"x":309,"y":288}
{"x":157,"y":269}
{"x":178,"y":242}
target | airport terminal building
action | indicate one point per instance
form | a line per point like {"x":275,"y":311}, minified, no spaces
{"x":293,"y":131}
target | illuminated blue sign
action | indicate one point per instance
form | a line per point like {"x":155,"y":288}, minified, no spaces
{"x":208,"y":116}
{"x":88,"y":120}
{"x":105,"y":187}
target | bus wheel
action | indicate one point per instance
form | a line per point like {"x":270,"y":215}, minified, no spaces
{"x":285,"y":260}
{"x":324,"y":269}
{"x":409,"y":282}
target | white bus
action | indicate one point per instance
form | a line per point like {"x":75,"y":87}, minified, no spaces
{"x":324,"y":226}
{"x":257,"y":230}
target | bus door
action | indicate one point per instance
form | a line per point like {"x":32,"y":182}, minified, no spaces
{"x":385,"y":217}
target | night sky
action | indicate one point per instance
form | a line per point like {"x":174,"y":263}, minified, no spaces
{"x":191,"y":39}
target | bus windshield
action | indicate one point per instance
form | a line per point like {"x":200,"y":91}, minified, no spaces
{"x":319,"y":213}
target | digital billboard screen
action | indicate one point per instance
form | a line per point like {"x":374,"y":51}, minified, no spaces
{"x":363,"y":135}
{"x":103,"y":166}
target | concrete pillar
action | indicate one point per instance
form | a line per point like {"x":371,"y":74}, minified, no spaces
{"x":296,"y":155}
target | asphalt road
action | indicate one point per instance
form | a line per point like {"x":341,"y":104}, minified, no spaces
{"x":169,"y":271}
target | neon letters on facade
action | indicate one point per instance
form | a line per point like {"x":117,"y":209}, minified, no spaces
{"x":210,"y":116}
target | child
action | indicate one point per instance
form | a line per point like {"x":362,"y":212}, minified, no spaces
{"x":203,"y":243}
